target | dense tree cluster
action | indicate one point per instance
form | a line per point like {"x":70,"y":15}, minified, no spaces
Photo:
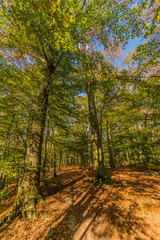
{"x":64,"y":102}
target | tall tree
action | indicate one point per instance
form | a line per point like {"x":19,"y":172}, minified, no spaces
{"x":31,"y":30}
{"x":45,"y":36}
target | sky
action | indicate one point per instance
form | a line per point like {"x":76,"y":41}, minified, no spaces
{"x":132,"y":44}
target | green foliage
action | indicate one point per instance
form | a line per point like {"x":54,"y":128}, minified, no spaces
{"x":75,"y":38}
{"x":3,"y":195}
{"x":151,"y":26}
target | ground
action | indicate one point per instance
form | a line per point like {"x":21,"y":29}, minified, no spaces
{"x":77,"y":209}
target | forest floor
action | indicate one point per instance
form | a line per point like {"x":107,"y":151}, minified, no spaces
{"x":77,"y":209}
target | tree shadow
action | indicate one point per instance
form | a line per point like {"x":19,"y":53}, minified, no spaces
{"x":76,"y":214}
{"x":54,"y":189}
{"x":136,"y":180}
{"x":95,"y":211}
{"x":63,"y":180}
{"x":122,"y":224}
{"x":140,"y":188}
{"x":91,"y":217}
{"x":99,"y":211}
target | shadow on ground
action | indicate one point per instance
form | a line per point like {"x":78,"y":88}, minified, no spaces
{"x":99,"y":211}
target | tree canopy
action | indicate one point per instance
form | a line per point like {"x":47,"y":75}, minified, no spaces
{"x":63,"y":101}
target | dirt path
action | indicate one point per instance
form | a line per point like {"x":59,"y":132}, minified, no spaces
{"x":75,"y":209}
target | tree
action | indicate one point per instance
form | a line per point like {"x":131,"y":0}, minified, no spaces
{"x":42,"y":37}
{"x":33,"y":39}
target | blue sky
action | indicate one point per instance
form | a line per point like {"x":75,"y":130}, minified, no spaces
{"x":132,"y":43}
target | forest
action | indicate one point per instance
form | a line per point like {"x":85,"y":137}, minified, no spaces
{"x":79,"y":120}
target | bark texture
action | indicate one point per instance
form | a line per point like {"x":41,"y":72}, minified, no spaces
{"x":100,"y":171}
{"x":28,"y":188}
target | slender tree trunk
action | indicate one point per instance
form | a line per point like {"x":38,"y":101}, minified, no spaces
{"x":146,"y":149}
{"x":2,"y":180}
{"x":99,"y":169}
{"x":117,"y":156}
{"x":69,"y":159}
{"x":52,"y":158}
{"x":94,"y":128}
{"x":100,"y":136}
{"x":60,"y":158}
{"x":52,"y":149}
{"x":55,"y":164}
{"x":111,"y":158}
{"x":49,"y":155}
{"x":127,"y":157}
{"x":46,"y":151}
{"x":83,"y":159}
{"x":77,"y":157}
{"x":66,"y":158}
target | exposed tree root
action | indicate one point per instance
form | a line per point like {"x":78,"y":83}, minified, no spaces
{"x":13,"y":212}
{"x":27,"y":197}
{"x":22,"y":205}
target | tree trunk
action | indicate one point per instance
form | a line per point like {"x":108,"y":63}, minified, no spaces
{"x":52,"y":158}
{"x":28,"y":189}
{"x":28,"y":193}
{"x":94,"y":127}
{"x":127,"y":157}
{"x":46,"y":150}
{"x":55,"y":158}
{"x":49,"y":155}
{"x":77,"y":158}
{"x":99,"y":169}
{"x":2,"y":180}
{"x":111,"y":158}
{"x":52,"y":149}
{"x":66,"y":160}
{"x":83,"y":160}
{"x":100,"y":136}
{"x":60,"y":158}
